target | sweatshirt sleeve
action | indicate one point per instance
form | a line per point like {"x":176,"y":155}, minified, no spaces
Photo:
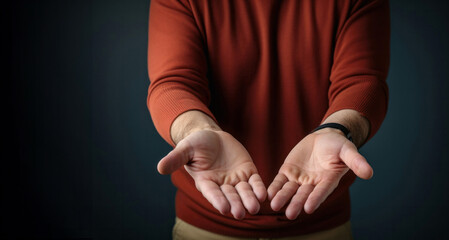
{"x":176,"y":65}
{"x":361,"y":61}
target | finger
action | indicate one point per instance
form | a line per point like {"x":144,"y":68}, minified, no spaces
{"x":212,"y":192}
{"x":284,"y":195}
{"x":248,"y":197}
{"x":297,"y":202}
{"x":177,"y":158}
{"x":355,"y":161}
{"x":258,"y":187}
{"x":234,"y":200}
{"x":318,"y":195}
{"x":276,"y":185}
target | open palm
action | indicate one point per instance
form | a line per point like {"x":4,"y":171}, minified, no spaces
{"x":222,"y":170}
{"x":312,"y":170}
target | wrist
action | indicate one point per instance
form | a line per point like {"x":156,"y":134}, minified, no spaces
{"x":329,"y":130}
{"x":357,"y":125}
{"x":190,"y":122}
{"x":335,"y":127}
{"x":199,"y":128}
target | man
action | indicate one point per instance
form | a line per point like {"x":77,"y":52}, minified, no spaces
{"x":238,"y":88}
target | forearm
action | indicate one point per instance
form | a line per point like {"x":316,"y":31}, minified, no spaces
{"x":189,"y":122}
{"x":358,"y":125}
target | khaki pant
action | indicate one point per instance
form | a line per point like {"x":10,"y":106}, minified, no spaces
{"x":185,"y":231}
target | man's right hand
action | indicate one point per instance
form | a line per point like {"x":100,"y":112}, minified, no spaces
{"x":222,"y":170}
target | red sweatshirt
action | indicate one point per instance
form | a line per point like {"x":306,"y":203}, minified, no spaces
{"x":269,"y":71}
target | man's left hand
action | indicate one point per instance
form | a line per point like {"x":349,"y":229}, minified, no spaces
{"x":313,"y":169}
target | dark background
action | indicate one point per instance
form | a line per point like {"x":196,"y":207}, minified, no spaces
{"x":79,"y":149}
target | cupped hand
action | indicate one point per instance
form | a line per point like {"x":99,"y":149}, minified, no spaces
{"x":222,"y":170}
{"x":313,"y":169}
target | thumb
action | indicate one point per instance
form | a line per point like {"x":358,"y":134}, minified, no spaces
{"x":355,"y":161}
{"x":177,"y":158}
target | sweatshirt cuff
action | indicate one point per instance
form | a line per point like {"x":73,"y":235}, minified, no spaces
{"x":368,"y":97}
{"x":167,"y":106}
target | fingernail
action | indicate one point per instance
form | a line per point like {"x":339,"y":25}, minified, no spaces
{"x":295,"y":217}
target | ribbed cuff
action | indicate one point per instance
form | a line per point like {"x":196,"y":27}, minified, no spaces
{"x":368,"y":97}
{"x":167,"y":104}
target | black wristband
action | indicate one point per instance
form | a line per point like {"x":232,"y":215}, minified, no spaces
{"x":336,"y":126}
